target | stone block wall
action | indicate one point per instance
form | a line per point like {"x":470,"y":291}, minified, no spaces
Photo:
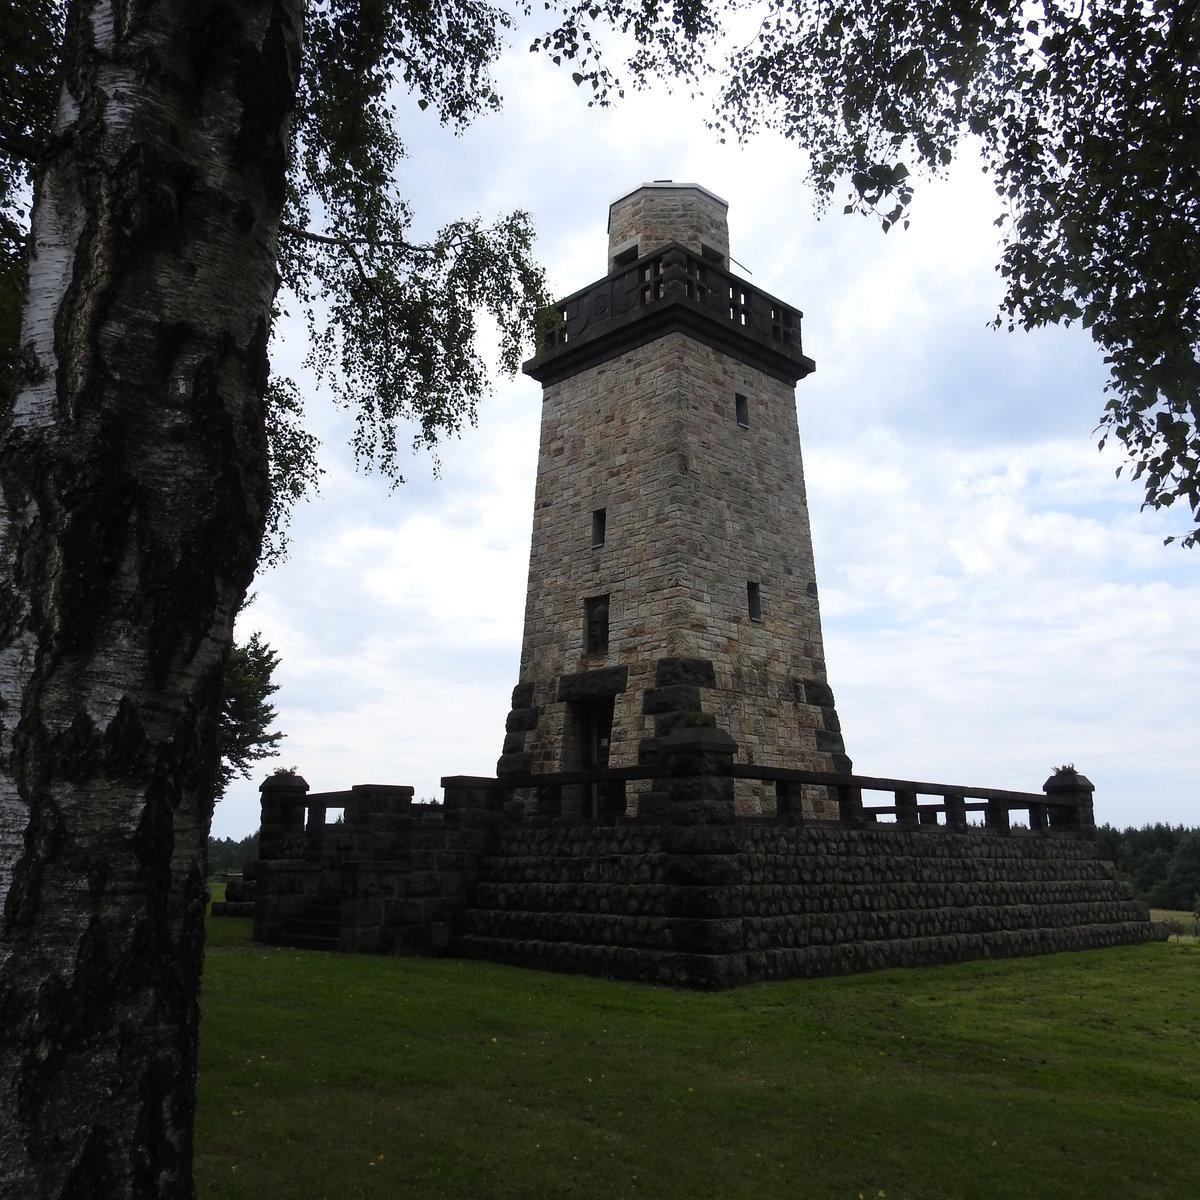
{"x":727,"y":905}
{"x":832,"y":900}
{"x":698,"y":507}
{"x":690,"y":894}
{"x":743,"y":516}
{"x":609,"y":440}
{"x":398,"y":874}
{"x":670,"y":517}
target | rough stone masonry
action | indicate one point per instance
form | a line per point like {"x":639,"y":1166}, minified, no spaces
{"x":671,"y":568}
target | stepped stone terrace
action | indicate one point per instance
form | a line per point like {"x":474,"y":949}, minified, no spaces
{"x":683,"y":891}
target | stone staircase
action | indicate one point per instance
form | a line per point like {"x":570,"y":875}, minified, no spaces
{"x":316,"y":927}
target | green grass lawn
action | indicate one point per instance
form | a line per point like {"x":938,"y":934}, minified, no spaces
{"x":343,"y":1076}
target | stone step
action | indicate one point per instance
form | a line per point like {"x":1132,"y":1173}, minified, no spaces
{"x":852,"y":956}
{"x":616,"y":962}
{"x":765,"y":932}
{"x":616,"y":898}
{"x":783,"y":869}
{"x":307,"y":941}
{"x":630,"y":895}
{"x":630,"y":868}
{"x":799,"y":929}
{"x":575,"y":928}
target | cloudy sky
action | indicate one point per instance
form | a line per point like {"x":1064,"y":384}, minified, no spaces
{"x":994,"y":603}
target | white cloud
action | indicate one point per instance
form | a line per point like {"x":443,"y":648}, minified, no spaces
{"x":994,"y":603}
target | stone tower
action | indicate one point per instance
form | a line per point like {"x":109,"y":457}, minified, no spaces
{"x":671,"y":571}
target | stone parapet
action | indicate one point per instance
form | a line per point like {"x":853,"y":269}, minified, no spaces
{"x":688,"y":892}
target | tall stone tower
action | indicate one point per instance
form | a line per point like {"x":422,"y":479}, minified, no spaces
{"x":671,"y":571}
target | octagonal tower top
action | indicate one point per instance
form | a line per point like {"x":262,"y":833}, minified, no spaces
{"x":654,"y":214}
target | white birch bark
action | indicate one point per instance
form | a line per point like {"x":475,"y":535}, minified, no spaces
{"x":134,"y":490}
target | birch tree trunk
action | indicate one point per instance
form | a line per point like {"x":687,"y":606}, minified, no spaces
{"x":134,"y":490}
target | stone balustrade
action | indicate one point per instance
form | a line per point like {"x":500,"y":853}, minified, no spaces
{"x":677,"y":287}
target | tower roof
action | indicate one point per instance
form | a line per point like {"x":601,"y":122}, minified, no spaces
{"x":666,"y":185}
{"x":659,"y":213}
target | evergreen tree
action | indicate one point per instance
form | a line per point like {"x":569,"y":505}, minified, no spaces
{"x":246,"y":712}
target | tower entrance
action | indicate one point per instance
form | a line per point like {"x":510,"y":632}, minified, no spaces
{"x":593,"y":721}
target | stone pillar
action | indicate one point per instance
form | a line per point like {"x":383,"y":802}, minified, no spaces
{"x":1069,"y":802}
{"x":997,"y":816}
{"x":703,"y":870}
{"x":907,"y":808}
{"x":281,"y":826}
{"x":850,"y":805}
{"x":789,"y":801}
{"x":287,"y":880}
{"x":956,"y":810}
{"x":699,"y":782}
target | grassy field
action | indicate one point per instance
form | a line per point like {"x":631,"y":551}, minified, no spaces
{"x":328,"y":1076}
{"x":1177,"y":920}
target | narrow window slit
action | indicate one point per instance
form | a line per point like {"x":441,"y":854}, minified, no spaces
{"x":599,"y":527}
{"x":742,"y":409}
{"x":595,"y":624}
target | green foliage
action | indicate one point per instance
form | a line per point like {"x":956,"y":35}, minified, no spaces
{"x":1054,"y":1077}
{"x":393,"y":322}
{"x":1182,"y":882}
{"x":226,"y":856}
{"x":246,"y":712}
{"x":1162,"y":862}
{"x":1088,"y":117}
{"x":293,"y":459}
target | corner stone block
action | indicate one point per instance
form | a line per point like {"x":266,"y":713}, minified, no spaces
{"x":675,"y":697}
{"x":515,"y":763}
{"x":698,"y":784}
{"x":1069,"y":801}
{"x":521,"y":720}
{"x":370,"y":798}
{"x":472,"y":793}
{"x":697,"y":672}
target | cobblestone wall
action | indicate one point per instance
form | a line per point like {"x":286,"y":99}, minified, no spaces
{"x":748,"y":902}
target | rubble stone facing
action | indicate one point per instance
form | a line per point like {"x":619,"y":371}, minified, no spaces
{"x":791,"y":901}
{"x":398,"y":874}
{"x":690,"y":605}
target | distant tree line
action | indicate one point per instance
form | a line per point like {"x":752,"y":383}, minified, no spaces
{"x":1161,"y":861}
{"x":225,"y":856}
